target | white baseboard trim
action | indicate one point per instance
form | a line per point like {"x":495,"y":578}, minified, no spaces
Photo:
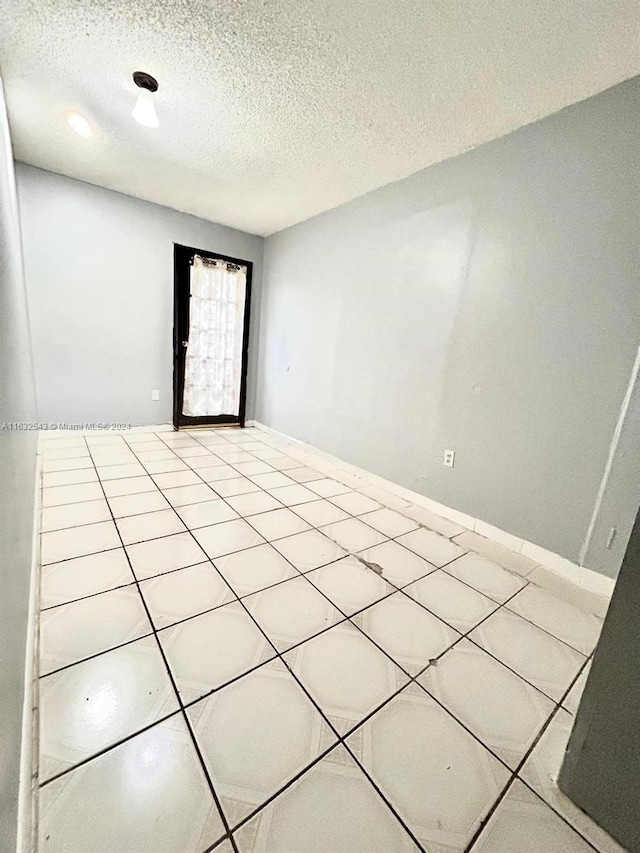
{"x":28,"y":753}
{"x":583,"y":577}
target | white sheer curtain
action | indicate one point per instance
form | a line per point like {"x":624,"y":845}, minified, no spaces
{"x":214,"y":354}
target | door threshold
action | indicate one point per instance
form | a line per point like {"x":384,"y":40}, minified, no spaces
{"x":192,"y":427}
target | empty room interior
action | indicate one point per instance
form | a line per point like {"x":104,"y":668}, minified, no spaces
{"x":319,"y":426}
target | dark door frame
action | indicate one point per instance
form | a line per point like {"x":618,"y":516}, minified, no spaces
{"x":182,"y":261}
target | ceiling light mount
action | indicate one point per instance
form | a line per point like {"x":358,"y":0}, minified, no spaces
{"x":145,"y":81}
{"x":144,"y":111}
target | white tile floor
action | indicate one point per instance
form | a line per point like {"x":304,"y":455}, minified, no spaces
{"x":241,"y":652}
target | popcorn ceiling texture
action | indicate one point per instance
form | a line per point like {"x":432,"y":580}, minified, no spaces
{"x":272,"y":111}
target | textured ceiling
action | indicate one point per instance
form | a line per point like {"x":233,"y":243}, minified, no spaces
{"x":274,"y":110}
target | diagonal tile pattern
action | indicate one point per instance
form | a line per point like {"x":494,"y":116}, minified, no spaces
{"x":96,"y":703}
{"x":547,"y":663}
{"x":291,"y":612}
{"x":148,"y":794}
{"x":440,"y":779}
{"x":500,"y":708}
{"x":524,"y":823}
{"x":176,"y":596}
{"x":454,"y":602}
{"x":212,"y":649}
{"x":560,"y":618}
{"x":86,"y":627}
{"x":346,"y":675}
{"x":245,"y":650}
{"x":411,"y":635}
{"x":332,"y":808}
{"x":350,"y":584}
{"x":272,"y":732}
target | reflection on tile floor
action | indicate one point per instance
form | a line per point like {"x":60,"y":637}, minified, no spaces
{"x":240,"y":652}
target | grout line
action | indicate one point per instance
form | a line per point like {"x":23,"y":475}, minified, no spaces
{"x":274,"y":796}
{"x":525,"y":758}
{"x":500,"y":605}
{"x":279,"y":655}
{"x":80,"y":524}
{"x":99,"y":654}
{"x":401,"y":589}
{"x":179,"y":699}
{"x":383,"y":796}
{"x":559,"y":814}
{"x":108,"y":748}
{"x":342,"y":738}
{"x":515,"y":775}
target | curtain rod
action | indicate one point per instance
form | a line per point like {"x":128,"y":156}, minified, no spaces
{"x":211,"y":262}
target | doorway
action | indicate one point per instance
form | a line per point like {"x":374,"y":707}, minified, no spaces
{"x":212,"y":296}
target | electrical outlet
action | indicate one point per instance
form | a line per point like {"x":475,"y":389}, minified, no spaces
{"x":449,"y":458}
{"x":155,"y":395}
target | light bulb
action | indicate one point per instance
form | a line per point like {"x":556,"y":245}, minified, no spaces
{"x":144,"y":111}
{"x":79,"y":124}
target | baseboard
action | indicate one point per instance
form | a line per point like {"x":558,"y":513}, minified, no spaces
{"x":28,"y":754}
{"x":581,"y":576}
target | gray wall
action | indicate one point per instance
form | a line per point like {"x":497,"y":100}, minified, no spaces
{"x":600,"y":770}
{"x":99,"y":269}
{"x":17,"y":484}
{"x":489,"y":304}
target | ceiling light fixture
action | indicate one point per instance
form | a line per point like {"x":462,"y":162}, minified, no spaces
{"x":144,"y":111}
{"x":79,"y":124}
